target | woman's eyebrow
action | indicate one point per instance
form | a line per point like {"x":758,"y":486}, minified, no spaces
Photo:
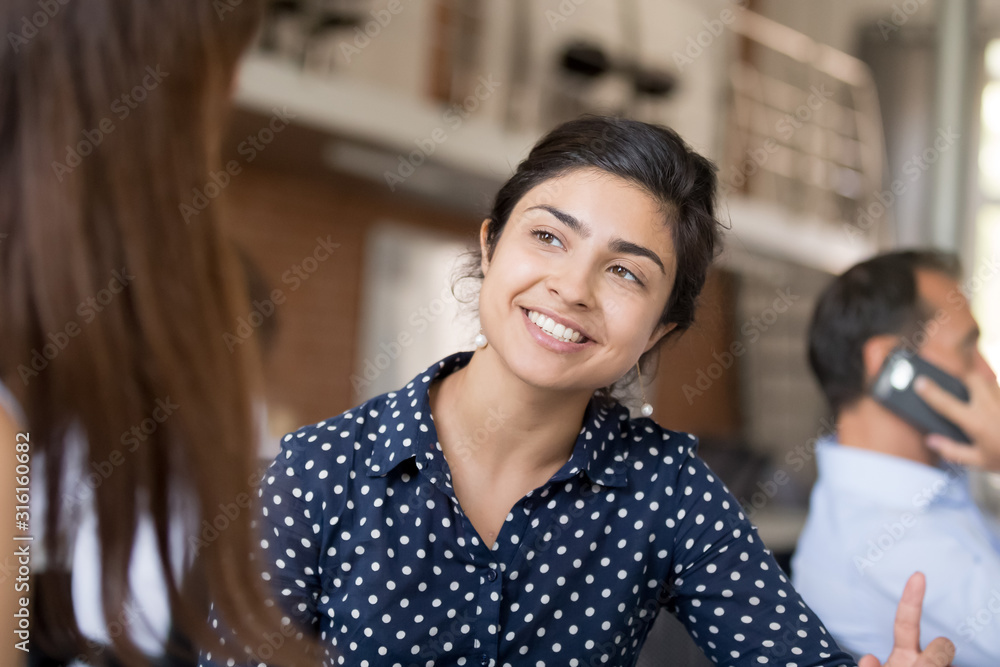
{"x":623,"y":246}
{"x":567,"y":219}
{"x":617,"y":245}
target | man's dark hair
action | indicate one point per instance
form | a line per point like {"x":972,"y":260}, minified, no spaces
{"x":876,"y":297}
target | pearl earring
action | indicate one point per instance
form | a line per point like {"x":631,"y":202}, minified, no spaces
{"x":646,"y":410}
{"x":480,"y":339}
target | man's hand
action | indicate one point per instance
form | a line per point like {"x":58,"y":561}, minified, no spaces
{"x":906,"y":634}
{"x":979,"y":418}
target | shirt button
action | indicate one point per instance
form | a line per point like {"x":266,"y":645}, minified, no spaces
{"x":485,"y":660}
{"x":492,"y":576}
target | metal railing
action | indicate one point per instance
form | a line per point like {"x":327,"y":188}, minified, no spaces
{"x":804,"y":128}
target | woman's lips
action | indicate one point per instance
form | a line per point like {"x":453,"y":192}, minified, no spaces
{"x":555,"y":329}
{"x":552,"y":334}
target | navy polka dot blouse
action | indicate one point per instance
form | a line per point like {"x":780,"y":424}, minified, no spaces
{"x":368,"y":546}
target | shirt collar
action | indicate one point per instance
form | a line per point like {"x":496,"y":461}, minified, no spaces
{"x":889,"y":479}
{"x":405,"y":429}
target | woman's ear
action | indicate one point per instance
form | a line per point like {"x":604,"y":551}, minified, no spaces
{"x":874,"y":352}
{"x":659,"y":332}
{"x":484,"y":231}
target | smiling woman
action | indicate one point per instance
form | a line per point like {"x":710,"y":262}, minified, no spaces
{"x":502,"y":508}
{"x":584,"y":265}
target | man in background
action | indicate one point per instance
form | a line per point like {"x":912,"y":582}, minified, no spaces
{"x":890,"y":500}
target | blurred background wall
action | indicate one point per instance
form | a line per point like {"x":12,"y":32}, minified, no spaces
{"x":369,"y":137}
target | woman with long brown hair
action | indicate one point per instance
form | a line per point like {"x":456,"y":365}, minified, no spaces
{"x":112,"y":311}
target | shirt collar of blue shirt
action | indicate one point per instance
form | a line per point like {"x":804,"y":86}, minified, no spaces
{"x":890,"y":480}
{"x":599,"y":449}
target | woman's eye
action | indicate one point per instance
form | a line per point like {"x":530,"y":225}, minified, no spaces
{"x":622,"y":272}
{"x":547,"y":238}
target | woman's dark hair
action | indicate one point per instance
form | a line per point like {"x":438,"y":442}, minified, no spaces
{"x":652,"y":157}
{"x":876,"y":297}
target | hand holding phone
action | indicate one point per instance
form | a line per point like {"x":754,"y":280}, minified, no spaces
{"x":893,"y":388}
{"x":979,"y":418}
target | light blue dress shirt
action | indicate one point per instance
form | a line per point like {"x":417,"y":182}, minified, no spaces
{"x":874,"y":520}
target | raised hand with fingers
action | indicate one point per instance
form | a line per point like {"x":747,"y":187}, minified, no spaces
{"x":979,"y":418}
{"x":906,"y":634}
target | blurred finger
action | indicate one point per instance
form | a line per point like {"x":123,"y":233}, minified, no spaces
{"x":939,"y":653}
{"x":954,"y":452}
{"x":939,"y":399}
{"x":869,"y":661}
{"x":906,"y":630}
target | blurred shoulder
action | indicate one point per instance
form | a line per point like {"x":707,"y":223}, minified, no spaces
{"x":335,"y":438}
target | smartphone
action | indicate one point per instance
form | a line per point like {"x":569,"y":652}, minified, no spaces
{"x":893,"y":388}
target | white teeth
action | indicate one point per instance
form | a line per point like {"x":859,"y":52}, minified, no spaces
{"x":554,"y":329}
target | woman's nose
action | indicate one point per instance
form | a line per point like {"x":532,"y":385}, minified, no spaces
{"x":574,"y":285}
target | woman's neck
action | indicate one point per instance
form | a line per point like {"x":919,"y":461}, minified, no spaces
{"x":487,"y":415}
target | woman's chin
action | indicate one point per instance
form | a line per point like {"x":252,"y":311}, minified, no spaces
{"x":554,"y":375}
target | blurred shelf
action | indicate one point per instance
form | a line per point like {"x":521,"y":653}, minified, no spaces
{"x":347,"y":107}
{"x":765,"y":228}
{"x":376,"y":128}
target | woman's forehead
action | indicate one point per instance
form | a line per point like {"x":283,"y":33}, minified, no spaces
{"x":604,"y":204}
{"x":572,"y":183}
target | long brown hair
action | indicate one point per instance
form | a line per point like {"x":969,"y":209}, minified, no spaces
{"x":112,"y":306}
